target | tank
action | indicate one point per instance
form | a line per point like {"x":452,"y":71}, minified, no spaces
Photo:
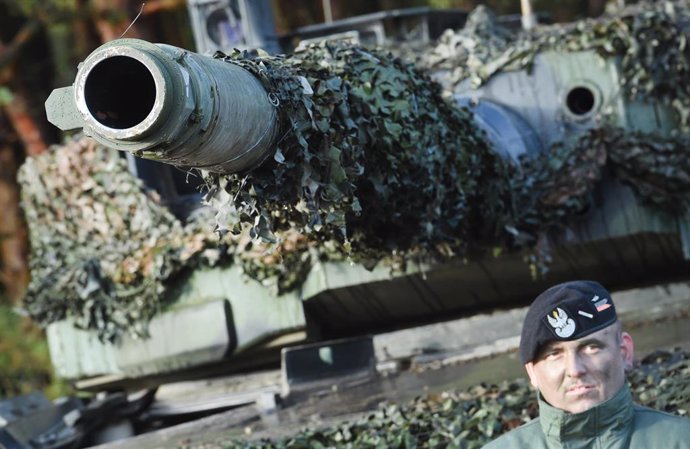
{"x":466,"y":241}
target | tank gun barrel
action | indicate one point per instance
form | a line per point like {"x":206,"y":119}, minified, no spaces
{"x":165,"y":103}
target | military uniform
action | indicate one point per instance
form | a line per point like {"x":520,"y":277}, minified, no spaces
{"x":617,"y":423}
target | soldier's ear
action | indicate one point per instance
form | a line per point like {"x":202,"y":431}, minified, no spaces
{"x":627,"y":350}
{"x":529,"y":366}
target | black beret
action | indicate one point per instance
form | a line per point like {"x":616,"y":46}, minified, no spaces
{"x":565,"y":312}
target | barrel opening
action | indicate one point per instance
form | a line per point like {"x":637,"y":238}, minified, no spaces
{"x":120,"y":92}
{"x":580,"y":101}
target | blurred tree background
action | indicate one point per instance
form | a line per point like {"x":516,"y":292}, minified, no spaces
{"x":41,"y":43}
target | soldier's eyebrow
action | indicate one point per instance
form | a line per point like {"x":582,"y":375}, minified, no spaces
{"x":549,"y":347}
{"x":591,"y":341}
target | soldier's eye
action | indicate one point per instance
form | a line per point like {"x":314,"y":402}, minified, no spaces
{"x":551,"y":354}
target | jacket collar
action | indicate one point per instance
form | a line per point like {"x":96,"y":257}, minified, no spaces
{"x":611,"y":418}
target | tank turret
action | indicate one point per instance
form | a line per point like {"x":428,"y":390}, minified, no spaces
{"x":383,"y":201}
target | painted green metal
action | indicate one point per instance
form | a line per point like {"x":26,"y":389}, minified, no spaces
{"x":61,"y":110}
{"x":257,"y":313}
{"x":76,"y":353}
{"x":215,"y":313}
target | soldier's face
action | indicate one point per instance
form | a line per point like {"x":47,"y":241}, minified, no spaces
{"x":577,"y":375}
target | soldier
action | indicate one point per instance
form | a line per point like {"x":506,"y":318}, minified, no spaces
{"x":576,"y":355}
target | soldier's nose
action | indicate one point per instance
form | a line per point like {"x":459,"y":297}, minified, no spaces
{"x":574,"y":365}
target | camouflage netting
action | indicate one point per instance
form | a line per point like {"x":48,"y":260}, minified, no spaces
{"x":470,"y":419}
{"x":407,"y":205}
{"x":373,"y":161}
{"x":472,"y":53}
{"x":104,"y":250}
{"x":657,"y":169}
{"x":99,"y":246}
{"x":649,"y":40}
{"x":373,"y":166}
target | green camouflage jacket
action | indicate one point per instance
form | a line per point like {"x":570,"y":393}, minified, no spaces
{"x":615,"y":424}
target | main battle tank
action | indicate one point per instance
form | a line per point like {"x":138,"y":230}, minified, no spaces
{"x":561,"y":156}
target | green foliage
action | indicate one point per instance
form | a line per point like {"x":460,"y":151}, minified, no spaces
{"x":24,"y":359}
{"x":33,"y":8}
{"x":5,"y":96}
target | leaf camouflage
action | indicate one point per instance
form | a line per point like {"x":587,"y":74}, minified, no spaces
{"x":386,"y":212}
{"x":470,"y":419}
{"x":374,"y":166}
{"x":99,"y":247}
{"x":103,"y":250}
{"x":372,"y":159}
{"x":649,"y":41}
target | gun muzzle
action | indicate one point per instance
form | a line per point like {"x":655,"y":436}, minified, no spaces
{"x":164,"y":103}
